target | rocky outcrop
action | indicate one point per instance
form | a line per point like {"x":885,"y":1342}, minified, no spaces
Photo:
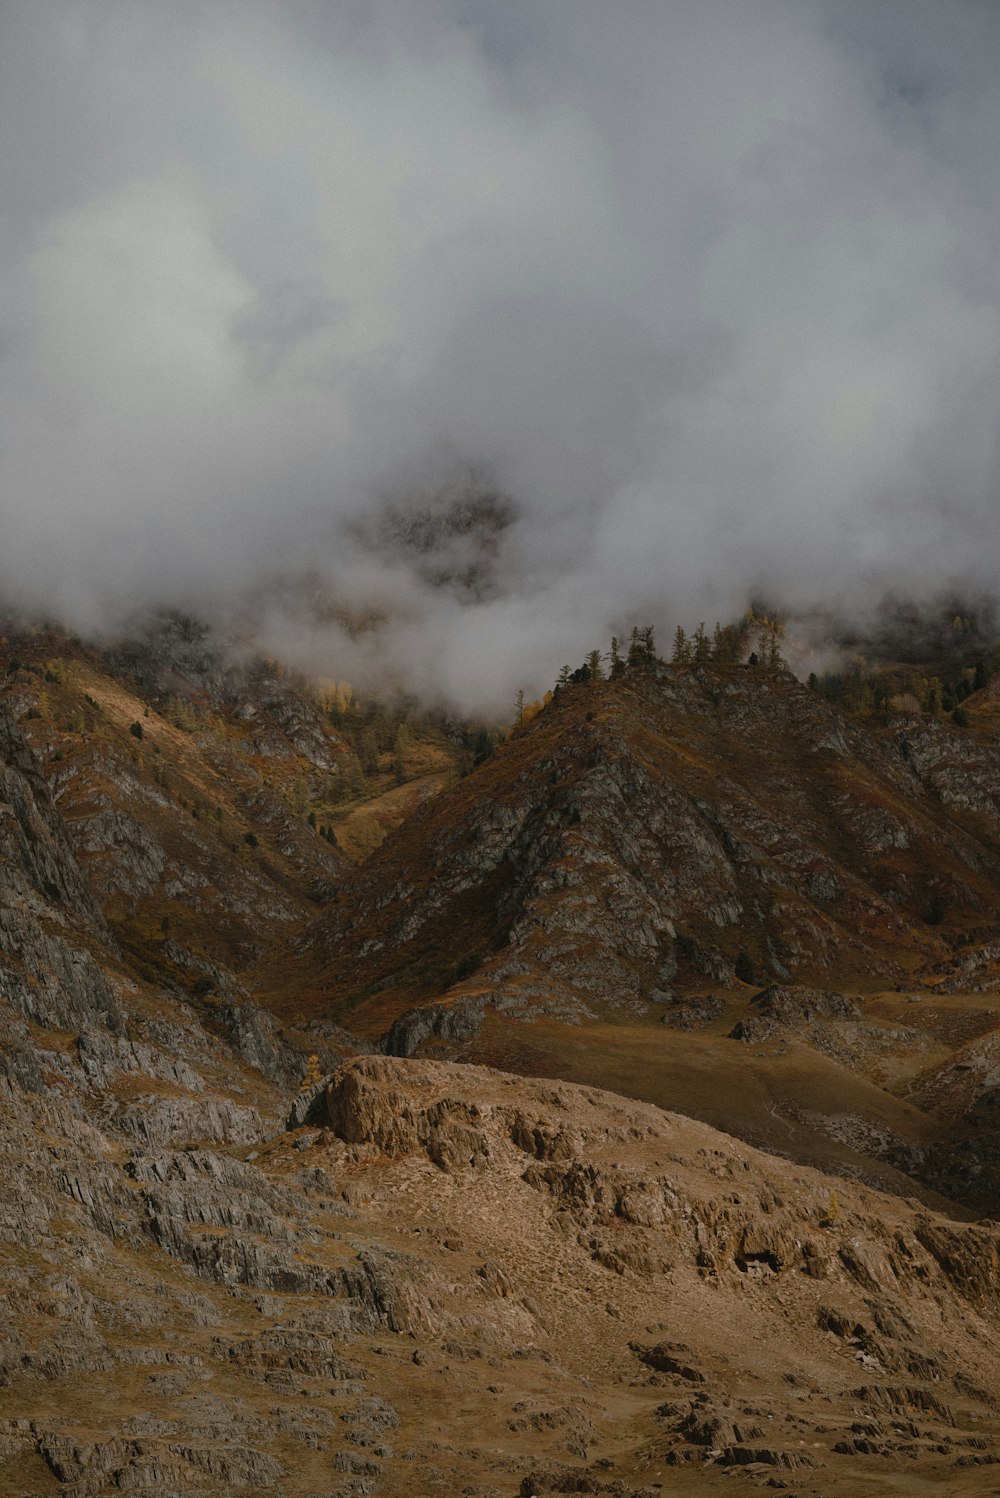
{"x":254,"y":1034}
{"x":792,"y":1008}
{"x":958,"y":771}
{"x":379,"y":1104}
{"x":649,"y":1199}
{"x":457,"y":1021}
{"x":696,"y":1013}
{"x":52,"y":982}
{"x":268,"y":1315}
{"x":49,"y":921}
{"x":40,"y":871}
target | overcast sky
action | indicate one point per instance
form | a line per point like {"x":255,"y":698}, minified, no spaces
{"x":709,"y":289}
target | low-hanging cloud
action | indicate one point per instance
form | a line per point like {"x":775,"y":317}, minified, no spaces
{"x":701,"y":298}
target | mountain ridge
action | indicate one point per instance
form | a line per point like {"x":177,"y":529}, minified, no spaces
{"x":539,"y":1250}
{"x":782,"y":813}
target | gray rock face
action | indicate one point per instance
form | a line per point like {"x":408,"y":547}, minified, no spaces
{"x":93,"y":1108}
{"x":103,"y":1056}
{"x":40,"y":871}
{"x":958,"y":771}
{"x":156,"y":1121}
{"x":690,"y":817}
{"x":253,"y":1033}
{"x":153,"y":1464}
{"x":131,"y":860}
{"x":793,"y":1008}
{"x":18,"y":1059}
{"x":47,"y":974}
{"x":459,"y":1022}
{"x":696,"y":1013}
{"x":50,"y":982}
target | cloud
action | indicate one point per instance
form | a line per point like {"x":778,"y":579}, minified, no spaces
{"x":705,"y":294}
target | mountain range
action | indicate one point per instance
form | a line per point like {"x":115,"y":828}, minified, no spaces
{"x":385,"y":1106}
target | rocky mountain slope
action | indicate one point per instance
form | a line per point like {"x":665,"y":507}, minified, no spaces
{"x":646,"y":856}
{"x":639,"y":836}
{"x":456,"y":1278}
{"x":240,"y":1255}
{"x":203,"y":793}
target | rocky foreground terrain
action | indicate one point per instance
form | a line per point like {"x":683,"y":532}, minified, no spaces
{"x":479,"y":1167}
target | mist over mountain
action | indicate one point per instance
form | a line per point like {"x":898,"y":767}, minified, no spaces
{"x":703,"y":299}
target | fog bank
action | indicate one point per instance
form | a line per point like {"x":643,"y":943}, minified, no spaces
{"x":494,"y":325}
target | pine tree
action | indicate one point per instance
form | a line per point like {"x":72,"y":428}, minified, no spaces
{"x":771,"y":656}
{"x":682,"y":648}
{"x":594,"y":666}
{"x":725,"y":643}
